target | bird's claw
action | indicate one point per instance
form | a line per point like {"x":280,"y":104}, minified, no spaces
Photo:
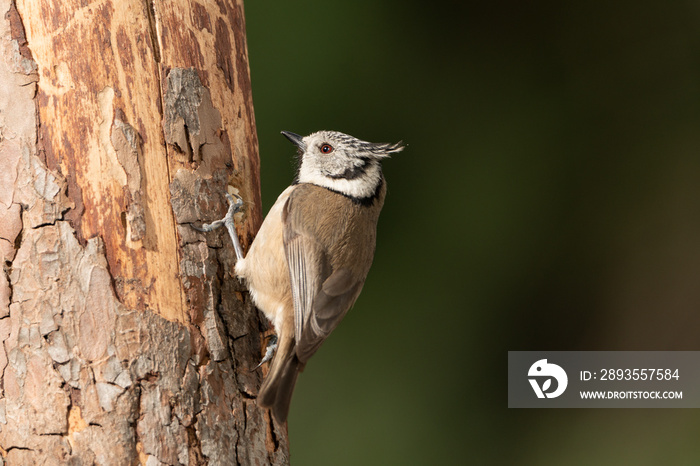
{"x":234,"y":206}
{"x":269,"y":352}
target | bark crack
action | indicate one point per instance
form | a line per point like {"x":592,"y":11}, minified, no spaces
{"x":218,"y":308}
{"x":3,"y":368}
{"x":189,"y":151}
{"x":152,"y":29}
{"x":273,"y":432}
{"x":7,"y":271}
{"x":7,"y":450}
{"x":194,"y":445}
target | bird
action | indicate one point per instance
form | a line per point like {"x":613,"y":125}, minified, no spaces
{"x":310,"y":258}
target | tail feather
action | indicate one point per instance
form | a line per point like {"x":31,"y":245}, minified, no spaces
{"x":288,"y":379}
{"x":277,"y":388}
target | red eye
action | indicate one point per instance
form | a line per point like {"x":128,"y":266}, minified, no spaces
{"x":326,"y":148}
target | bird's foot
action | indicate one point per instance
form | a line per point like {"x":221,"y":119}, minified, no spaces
{"x":233,"y":209}
{"x":234,"y":206}
{"x":270,"y":351}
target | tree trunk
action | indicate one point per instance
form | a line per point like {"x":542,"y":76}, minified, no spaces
{"x":126,"y":338}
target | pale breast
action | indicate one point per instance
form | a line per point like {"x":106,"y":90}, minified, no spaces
{"x":265,"y":266}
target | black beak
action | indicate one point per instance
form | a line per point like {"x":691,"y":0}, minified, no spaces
{"x":296,"y":139}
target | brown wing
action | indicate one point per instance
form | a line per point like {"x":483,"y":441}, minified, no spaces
{"x":322,"y":296}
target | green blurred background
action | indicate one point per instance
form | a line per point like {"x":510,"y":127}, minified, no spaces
{"x":548,"y":199}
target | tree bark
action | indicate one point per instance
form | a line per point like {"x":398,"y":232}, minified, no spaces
{"x":126,"y":338}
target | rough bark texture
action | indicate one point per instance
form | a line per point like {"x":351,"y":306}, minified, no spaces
{"x":125,"y":337}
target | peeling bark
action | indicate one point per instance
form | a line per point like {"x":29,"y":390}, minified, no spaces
{"x":126,"y":338}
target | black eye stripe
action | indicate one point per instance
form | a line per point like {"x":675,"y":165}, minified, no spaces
{"x":352,"y":173}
